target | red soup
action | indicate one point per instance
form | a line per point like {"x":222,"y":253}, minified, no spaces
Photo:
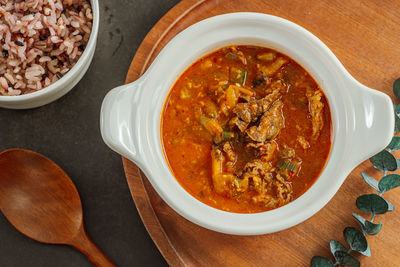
{"x":246,"y":129}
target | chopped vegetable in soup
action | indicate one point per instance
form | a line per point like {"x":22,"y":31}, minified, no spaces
{"x":246,"y":129}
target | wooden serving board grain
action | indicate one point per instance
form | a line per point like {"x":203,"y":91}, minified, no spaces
{"x":365,"y":36}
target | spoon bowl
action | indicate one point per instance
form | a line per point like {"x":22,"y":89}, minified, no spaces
{"x":39,"y":199}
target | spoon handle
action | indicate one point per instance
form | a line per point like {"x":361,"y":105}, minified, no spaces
{"x":86,"y":246}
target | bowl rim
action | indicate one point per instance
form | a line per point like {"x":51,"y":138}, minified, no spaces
{"x":86,"y":55}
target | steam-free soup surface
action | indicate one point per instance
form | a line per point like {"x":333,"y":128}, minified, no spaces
{"x":246,"y":129}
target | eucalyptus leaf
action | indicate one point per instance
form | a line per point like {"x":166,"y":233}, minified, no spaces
{"x":368,"y":227}
{"x":396,"y":87}
{"x":370,"y":181}
{"x":335,"y":247}
{"x":384,"y":161}
{"x":372,"y":203}
{"x":390,"y":205}
{"x":394,"y":144}
{"x":389,"y":182}
{"x":372,"y":228}
{"x":397,"y":109}
{"x":398,"y":163}
{"x":318,"y":261}
{"x":346,"y":259}
{"x":355,"y":239}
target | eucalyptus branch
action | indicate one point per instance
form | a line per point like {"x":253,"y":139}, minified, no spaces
{"x":370,"y":203}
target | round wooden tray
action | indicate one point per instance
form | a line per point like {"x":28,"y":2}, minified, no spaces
{"x":364,"y":36}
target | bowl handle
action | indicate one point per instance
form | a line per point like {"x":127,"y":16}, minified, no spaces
{"x":373,"y":125}
{"x":119,"y":119}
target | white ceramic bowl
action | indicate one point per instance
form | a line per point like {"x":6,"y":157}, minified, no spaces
{"x":361,"y":117}
{"x":66,"y":83}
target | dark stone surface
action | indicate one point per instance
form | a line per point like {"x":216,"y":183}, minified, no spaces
{"x":67,"y":131}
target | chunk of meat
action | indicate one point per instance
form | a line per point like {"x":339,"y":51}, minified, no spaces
{"x":277,"y":85}
{"x":255,"y":180}
{"x":270,"y":187}
{"x":287,"y":152}
{"x":239,"y":123}
{"x":250,"y":111}
{"x":266,"y":151}
{"x":276,"y":92}
{"x":303,"y":142}
{"x":258,"y":172}
{"x":284,"y":190}
{"x":257,"y":166}
{"x":316,"y":111}
{"x":283,"y":193}
{"x":270,"y":125}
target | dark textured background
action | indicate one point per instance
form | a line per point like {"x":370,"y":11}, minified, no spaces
{"x":68,"y":132}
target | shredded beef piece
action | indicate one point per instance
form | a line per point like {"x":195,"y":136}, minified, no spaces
{"x":270,"y":125}
{"x":287,"y":152}
{"x":277,"y":85}
{"x":250,"y":111}
{"x":303,"y":142}
{"x":241,"y":125}
{"x":284,"y":190}
{"x":266,"y":151}
{"x":257,"y":172}
{"x":258,"y":167}
{"x":316,"y":111}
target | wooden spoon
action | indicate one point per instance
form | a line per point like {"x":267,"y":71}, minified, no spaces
{"x":40,"y":200}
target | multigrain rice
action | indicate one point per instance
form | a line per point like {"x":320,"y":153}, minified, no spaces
{"x":40,"y":41}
